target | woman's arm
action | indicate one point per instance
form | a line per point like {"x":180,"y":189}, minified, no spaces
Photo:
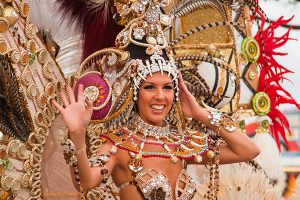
{"x":77,"y":115}
{"x":91,"y":177}
{"x":238,"y":147}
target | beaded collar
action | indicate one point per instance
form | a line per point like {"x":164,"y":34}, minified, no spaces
{"x":150,"y":130}
{"x":176,"y":144}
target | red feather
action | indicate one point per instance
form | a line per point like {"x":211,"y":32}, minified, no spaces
{"x":272,"y":74}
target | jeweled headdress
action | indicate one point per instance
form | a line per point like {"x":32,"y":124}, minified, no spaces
{"x":141,"y":51}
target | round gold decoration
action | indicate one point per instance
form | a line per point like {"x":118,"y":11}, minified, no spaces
{"x":24,"y":10}
{"x":48,"y":70}
{"x":3,"y":46}
{"x":251,"y":48}
{"x":11,"y":15}
{"x":25,"y":58}
{"x":261,"y":103}
{"x":98,"y":90}
{"x":50,"y":89}
{"x":252,"y":75}
{"x":6,"y":182}
{"x":42,"y":56}
{"x":265,"y":124}
{"x":3,"y":25}
{"x":15,"y":56}
{"x":31,"y":46}
{"x":32,"y":91}
{"x":91,"y":93}
{"x":42,"y":100}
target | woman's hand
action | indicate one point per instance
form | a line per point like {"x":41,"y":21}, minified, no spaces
{"x":76,"y":114}
{"x":190,"y":106}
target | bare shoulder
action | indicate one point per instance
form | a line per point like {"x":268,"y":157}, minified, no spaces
{"x":117,"y":155}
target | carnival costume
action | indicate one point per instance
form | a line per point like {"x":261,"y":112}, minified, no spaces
{"x":214,"y":49}
{"x":112,"y":77}
{"x":222,"y":90}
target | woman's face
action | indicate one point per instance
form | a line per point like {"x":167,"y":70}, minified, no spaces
{"x":155,"y":98}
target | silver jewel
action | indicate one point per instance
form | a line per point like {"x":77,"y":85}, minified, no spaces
{"x":112,"y":59}
{"x":138,"y":7}
{"x":138,"y":33}
{"x":150,"y":130}
{"x":160,"y":40}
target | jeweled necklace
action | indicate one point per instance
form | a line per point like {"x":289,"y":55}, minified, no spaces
{"x":149,"y":130}
{"x":177,"y":144}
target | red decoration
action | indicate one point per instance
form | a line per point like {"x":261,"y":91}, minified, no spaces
{"x":272,"y":74}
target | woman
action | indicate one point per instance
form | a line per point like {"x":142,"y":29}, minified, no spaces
{"x":134,"y":154}
{"x":155,"y":99}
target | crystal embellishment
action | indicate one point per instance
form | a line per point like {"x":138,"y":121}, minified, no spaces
{"x":91,"y":93}
{"x":112,"y":59}
{"x":138,"y":7}
{"x":138,"y":33}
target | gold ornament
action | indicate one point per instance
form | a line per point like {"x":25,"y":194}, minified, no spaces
{"x":11,"y":15}
{"x":251,"y":48}
{"x":3,"y":25}
{"x":261,"y":103}
{"x":3,"y":46}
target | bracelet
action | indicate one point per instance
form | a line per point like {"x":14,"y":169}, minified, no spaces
{"x":220,"y":119}
{"x":70,"y":152}
{"x":101,"y":160}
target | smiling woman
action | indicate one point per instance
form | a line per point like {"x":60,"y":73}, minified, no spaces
{"x":146,"y":144}
{"x":156,"y":97}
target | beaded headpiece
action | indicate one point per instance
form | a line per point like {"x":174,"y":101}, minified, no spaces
{"x":143,"y":36}
{"x":146,"y":30}
{"x":156,"y":64}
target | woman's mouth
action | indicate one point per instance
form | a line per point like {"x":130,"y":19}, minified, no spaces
{"x":157,"y":108}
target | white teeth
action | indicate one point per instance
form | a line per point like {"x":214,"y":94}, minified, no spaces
{"x":158,"y":107}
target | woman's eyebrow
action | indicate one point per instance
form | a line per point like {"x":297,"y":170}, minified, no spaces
{"x":169,"y":83}
{"x":149,"y":82}
{"x":146,"y":82}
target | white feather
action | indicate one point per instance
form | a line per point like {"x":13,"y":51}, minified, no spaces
{"x":45,"y":14}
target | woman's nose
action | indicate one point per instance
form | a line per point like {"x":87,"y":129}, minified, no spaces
{"x":159,"y":94}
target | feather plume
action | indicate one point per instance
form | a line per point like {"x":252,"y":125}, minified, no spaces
{"x":45,"y":15}
{"x":95,"y":20}
{"x":272,"y":74}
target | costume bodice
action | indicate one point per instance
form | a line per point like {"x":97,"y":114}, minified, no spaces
{"x":155,"y":185}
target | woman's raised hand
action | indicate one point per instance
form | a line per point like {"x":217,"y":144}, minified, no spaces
{"x":76,"y":114}
{"x":189,"y":105}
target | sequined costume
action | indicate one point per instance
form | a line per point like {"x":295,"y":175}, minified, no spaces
{"x":217,"y":80}
{"x":158,"y":186}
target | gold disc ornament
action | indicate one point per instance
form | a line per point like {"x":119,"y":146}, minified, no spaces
{"x":251,"y":48}
{"x":261,"y":103}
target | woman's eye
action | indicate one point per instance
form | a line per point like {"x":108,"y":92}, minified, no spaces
{"x":149,"y":87}
{"x":168,"y":87}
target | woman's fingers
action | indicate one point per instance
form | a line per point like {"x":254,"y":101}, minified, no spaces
{"x":71,"y":94}
{"x":80,"y":96}
{"x":64,"y":99}
{"x":59,"y":107}
{"x":182,"y":84}
{"x":89,"y":104}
